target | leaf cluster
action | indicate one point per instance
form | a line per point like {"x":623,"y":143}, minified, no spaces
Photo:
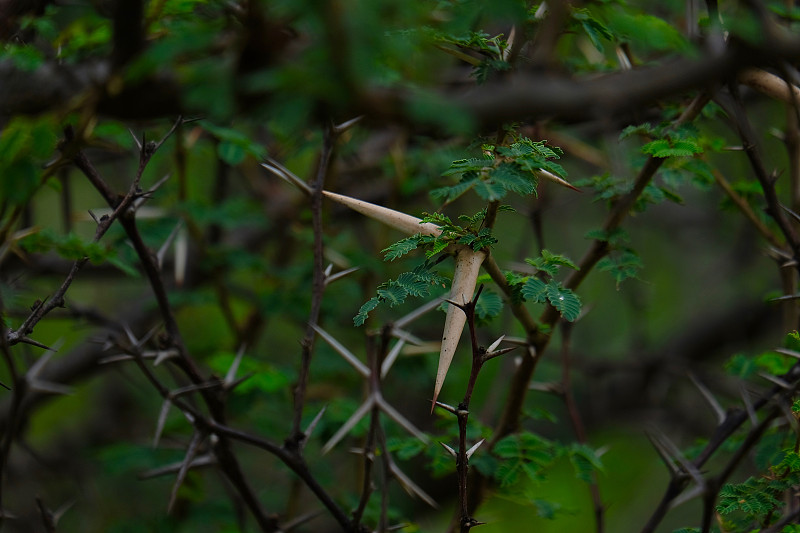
{"x":544,"y":288}
{"x":502,"y":170}
{"x":419,"y":283}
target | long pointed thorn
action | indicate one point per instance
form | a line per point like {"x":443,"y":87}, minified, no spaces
{"x":474,"y":448}
{"x":37,"y":367}
{"x":665,"y":456}
{"x":61,"y":511}
{"x":718,"y":410}
{"x":409,"y":486}
{"x":346,"y":125}
{"x":339,"y":275}
{"x":181,"y":256}
{"x":136,"y":140}
{"x":202,"y":460}
{"x":162,"y":252}
{"x":776,"y":380}
{"x":351,"y":422}
{"x":400,"y":221}
{"x":162,"y":420}
{"x":391,"y":357}
{"x":313,"y":424}
{"x":131,"y":337}
{"x":449,"y":450}
{"x":348,"y":356}
{"x":149,"y":335}
{"x":416,"y":313}
{"x":786,"y":297}
{"x":286,"y":175}
{"x":191,"y":451}
{"x":660,"y":440}
{"x":28,"y":340}
{"x":403,"y":335}
{"x":790,"y":353}
{"x":4,"y":386}
{"x":445,"y":406}
{"x":400,"y":419}
{"x":689,"y":495}
{"x":163,"y":355}
{"x":794,"y":215}
{"x":235,"y":383}
{"x":556,"y":179}
{"x":748,"y":405}
{"x":115,"y":359}
{"x":790,"y":417}
{"x":230,"y":377}
{"x":300,"y":520}
{"x":48,"y":387}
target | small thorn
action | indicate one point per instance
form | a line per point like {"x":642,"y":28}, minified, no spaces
{"x":495,"y":344}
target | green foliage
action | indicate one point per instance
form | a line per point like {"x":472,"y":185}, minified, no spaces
{"x":506,"y":169}
{"x":550,"y":263}
{"x":73,"y":247}
{"x":25,"y":143}
{"x":527,"y":455}
{"x":488,"y":306}
{"x":622,"y":265}
{"x":419,"y":283}
{"x":564,"y":300}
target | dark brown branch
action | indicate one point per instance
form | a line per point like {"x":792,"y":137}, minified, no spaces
{"x":318,"y":282}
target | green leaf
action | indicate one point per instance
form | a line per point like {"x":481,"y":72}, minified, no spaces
{"x":551,"y":263}
{"x":512,"y":178}
{"x":401,"y":248}
{"x":584,"y":461}
{"x":368,"y":306}
{"x":677,"y":148}
{"x":231,"y":153}
{"x":594,"y":29}
{"x":489,"y":305}
{"x":564,"y":300}
{"x":622,"y":266}
{"x":524,"y":454}
{"x":534,"y":290}
{"x":394,"y":293}
{"x":490,"y":191}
